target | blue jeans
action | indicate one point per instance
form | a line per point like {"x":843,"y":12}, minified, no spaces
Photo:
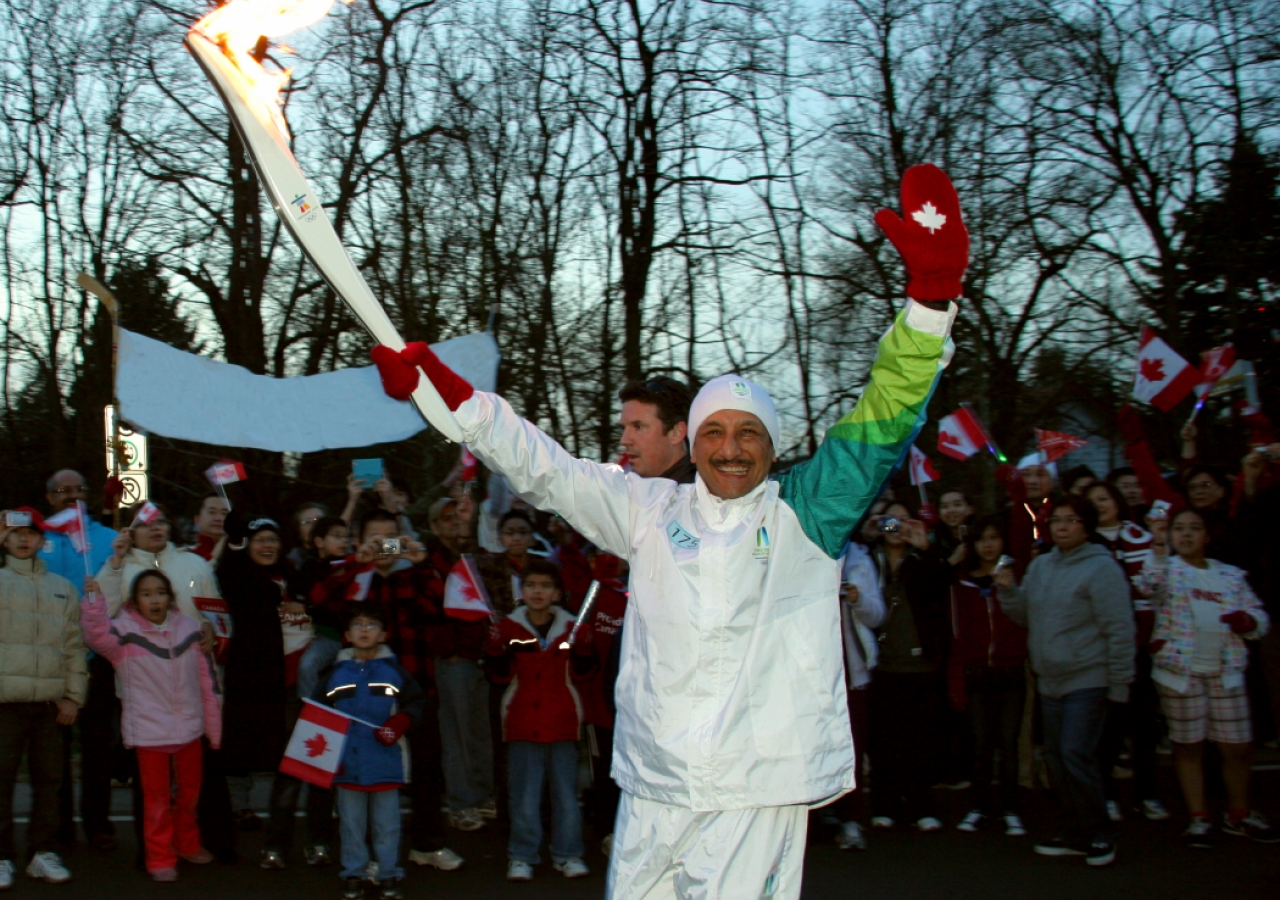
{"x":529,"y":764}
{"x":318,"y":656}
{"x":467,"y":745}
{"x":1072,"y":732}
{"x":357,"y":811}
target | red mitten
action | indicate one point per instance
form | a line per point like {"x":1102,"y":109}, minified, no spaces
{"x":1008,"y":475}
{"x":393,"y":729}
{"x":399,"y":378}
{"x":585,"y":643}
{"x":112,"y":494}
{"x":454,"y":389}
{"x":1239,"y":621}
{"x":932,"y":239}
{"x":494,"y":645}
{"x":1130,"y":423}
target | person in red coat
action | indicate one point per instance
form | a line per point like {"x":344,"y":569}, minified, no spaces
{"x":986,"y":678}
{"x":541,"y":717}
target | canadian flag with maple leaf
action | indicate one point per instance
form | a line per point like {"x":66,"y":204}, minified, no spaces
{"x":465,"y":596}
{"x":960,"y":435}
{"x":314,"y":754}
{"x":1163,"y":377}
{"x":921,"y":467}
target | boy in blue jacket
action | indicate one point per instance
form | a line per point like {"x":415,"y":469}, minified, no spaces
{"x":367,"y":684}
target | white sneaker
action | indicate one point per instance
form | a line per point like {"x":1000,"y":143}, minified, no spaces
{"x":48,"y":867}
{"x":6,"y":874}
{"x":519,"y":871}
{"x":929,"y":823}
{"x":881,"y":822}
{"x":972,"y":821}
{"x":1154,"y":810}
{"x":1113,"y":811}
{"x":570,"y":868}
{"x":849,"y":837}
{"x":443,"y":859}
{"x":1013,"y":825}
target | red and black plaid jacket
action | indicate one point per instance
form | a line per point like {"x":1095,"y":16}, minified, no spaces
{"x":410,"y":600}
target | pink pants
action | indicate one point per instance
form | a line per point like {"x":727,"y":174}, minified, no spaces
{"x":169,"y":815}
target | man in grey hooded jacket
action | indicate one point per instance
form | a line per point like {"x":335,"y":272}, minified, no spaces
{"x":1074,"y":602}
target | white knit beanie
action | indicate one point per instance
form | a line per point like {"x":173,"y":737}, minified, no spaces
{"x":1035,"y":459}
{"x":734,"y":392}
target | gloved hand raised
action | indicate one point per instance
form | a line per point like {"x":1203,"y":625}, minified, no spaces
{"x":399,"y":373}
{"x":393,"y":729}
{"x":932,"y":239}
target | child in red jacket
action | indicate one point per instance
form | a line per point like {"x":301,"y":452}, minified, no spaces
{"x":541,"y":715}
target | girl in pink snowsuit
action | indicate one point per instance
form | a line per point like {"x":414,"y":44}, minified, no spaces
{"x":169,"y":697}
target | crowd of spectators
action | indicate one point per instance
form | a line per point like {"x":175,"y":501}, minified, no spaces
{"x":1059,"y":636}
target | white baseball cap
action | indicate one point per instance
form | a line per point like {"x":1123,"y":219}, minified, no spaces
{"x":734,"y":392}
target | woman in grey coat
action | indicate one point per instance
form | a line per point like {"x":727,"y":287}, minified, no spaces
{"x":1074,"y":602}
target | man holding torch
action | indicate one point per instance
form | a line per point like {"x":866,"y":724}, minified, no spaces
{"x":732,"y":719}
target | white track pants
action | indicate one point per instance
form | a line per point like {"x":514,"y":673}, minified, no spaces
{"x":665,"y":852}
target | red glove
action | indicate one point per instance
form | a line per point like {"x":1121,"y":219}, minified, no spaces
{"x":112,"y":494}
{"x":585,"y":643}
{"x":400,"y":376}
{"x":393,"y":729}
{"x":932,"y":240}
{"x":494,"y":645}
{"x":1130,"y":423}
{"x":1240,"y":621}
{"x":1156,"y":646}
{"x":1008,"y":475}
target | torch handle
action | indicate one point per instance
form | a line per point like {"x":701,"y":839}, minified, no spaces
{"x":587,"y":603}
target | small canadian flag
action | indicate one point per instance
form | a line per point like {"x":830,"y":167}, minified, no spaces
{"x":1163,"y":377}
{"x":465,"y":596}
{"x":226,"y":471}
{"x":71,"y":523}
{"x":922,"y":470}
{"x":960,"y":435}
{"x":147,"y":514}
{"x":1055,"y":444}
{"x":314,"y":754}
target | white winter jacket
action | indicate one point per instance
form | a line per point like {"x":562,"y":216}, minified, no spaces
{"x":730,"y":693}
{"x":42,"y":656}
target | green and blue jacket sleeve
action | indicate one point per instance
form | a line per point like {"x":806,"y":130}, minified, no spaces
{"x":831,"y":492}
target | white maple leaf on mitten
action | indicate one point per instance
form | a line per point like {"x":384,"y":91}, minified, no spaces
{"x":929,"y":217}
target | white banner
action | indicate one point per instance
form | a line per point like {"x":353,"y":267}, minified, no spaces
{"x":179,"y":395}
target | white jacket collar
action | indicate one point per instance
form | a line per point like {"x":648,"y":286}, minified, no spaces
{"x":723,"y":515}
{"x":32,"y":567}
{"x":350,"y":653}
{"x":150,"y":560}
{"x":561,"y":624}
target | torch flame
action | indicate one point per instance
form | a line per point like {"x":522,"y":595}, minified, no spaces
{"x":240,"y":27}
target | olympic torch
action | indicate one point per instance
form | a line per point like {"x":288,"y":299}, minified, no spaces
{"x":224,"y":44}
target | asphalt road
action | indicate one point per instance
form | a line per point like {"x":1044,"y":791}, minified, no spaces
{"x":899,"y":865}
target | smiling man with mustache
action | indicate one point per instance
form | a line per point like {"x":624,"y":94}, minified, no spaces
{"x":732,"y":717}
